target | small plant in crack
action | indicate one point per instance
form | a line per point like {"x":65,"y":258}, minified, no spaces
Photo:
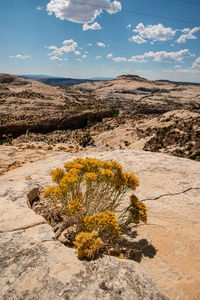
{"x":89,"y":193}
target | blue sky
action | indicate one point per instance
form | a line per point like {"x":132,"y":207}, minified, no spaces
{"x":101,"y":38}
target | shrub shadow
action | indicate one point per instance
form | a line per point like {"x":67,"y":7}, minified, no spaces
{"x":136,"y":250}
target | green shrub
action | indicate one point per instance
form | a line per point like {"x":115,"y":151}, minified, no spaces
{"x":115,"y":112}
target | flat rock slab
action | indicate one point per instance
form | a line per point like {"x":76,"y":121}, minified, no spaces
{"x":36,"y":266}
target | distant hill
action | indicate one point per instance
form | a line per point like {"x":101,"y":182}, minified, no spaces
{"x":61,"y":81}
{"x":102,"y":78}
{"x":36,"y":76}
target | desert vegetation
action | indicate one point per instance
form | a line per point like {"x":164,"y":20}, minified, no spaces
{"x":87,"y":199}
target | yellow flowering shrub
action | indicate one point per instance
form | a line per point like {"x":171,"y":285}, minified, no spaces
{"x":89,"y":192}
{"x":134,"y":213}
{"x":88,"y":244}
{"x":105,"y":223}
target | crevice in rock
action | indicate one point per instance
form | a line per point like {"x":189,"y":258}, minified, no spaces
{"x":25,"y":227}
{"x":170,"y":194}
{"x":65,"y":233}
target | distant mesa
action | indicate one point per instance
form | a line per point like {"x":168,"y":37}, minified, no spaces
{"x":132,"y":77}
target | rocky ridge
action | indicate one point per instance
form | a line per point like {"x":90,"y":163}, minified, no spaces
{"x":159,"y":116}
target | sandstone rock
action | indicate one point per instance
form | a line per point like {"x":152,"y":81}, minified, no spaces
{"x":67,"y":236}
{"x":36,"y":266}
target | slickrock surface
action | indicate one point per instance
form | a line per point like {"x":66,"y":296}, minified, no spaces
{"x":36,"y":266}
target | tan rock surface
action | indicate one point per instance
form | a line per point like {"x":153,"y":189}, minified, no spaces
{"x":173,"y":226}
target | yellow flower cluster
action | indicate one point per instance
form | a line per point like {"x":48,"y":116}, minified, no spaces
{"x":53,"y":192}
{"x":69,"y":180}
{"x":75,"y":206}
{"x":116,"y":166}
{"x":107,"y":174}
{"x":87,"y":244}
{"x":57,"y":174}
{"x":105,"y":223}
{"x":90,"y":176}
{"x":125,"y":179}
{"x":138,"y":210}
{"x":73,"y":165}
{"x":91,"y":169}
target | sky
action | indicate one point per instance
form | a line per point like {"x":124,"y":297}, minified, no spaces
{"x":155,"y":39}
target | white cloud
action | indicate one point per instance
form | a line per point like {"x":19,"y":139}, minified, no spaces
{"x":84,"y":56}
{"x":162,"y":56}
{"x":54,"y":57}
{"x":20,"y":56}
{"x":78,"y":59}
{"x":94,"y":26}
{"x":155,"y":32}
{"x":159,"y":56}
{"x":177,"y":66}
{"x":40,"y":7}
{"x":196,"y":64}
{"x":138,"y":59}
{"x":98,"y":57}
{"x":101,"y":44}
{"x":119,"y":59}
{"x":82,"y":11}
{"x":189,"y":71}
{"x":90,"y":45}
{"x":109,"y":55}
{"x":194,"y":69}
{"x":186,"y":30}
{"x":137,"y":39}
{"x":68,"y":46}
{"x":128,"y":26}
{"x":188,"y":35}
{"x":66,"y":59}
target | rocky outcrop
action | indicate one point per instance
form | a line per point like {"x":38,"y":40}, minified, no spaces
{"x":34,"y":265}
{"x":6,"y":78}
{"x":45,"y":125}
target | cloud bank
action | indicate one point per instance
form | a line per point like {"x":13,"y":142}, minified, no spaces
{"x":20,"y":56}
{"x":82,"y":11}
{"x":69,"y":46}
{"x":154,"y":32}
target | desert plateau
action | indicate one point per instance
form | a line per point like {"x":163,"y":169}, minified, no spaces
{"x":128,"y":112}
{"x":152,"y":128}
